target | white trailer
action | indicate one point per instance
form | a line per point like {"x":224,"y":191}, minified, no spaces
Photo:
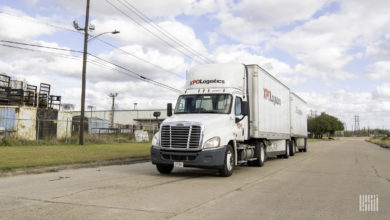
{"x":229,"y":115}
{"x":298,"y":123}
{"x":269,"y":109}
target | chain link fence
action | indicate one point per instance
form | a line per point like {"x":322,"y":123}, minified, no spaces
{"x":67,"y":130}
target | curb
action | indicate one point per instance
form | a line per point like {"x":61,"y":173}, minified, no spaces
{"x":380,"y":145}
{"x":48,"y":169}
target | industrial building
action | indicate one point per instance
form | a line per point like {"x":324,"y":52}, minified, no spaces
{"x":124,"y":121}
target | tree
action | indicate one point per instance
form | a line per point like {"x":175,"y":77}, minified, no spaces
{"x":324,"y":124}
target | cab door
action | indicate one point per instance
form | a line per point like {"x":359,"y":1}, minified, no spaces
{"x":240,"y":122}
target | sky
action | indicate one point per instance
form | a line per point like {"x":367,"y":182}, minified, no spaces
{"x":334,"y":54}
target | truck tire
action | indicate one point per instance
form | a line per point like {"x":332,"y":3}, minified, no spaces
{"x":228,"y":167}
{"x":293,"y":147}
{"x":164,"y":169}
{"x":287,"y":152}
{"x":305,"y":145}
{"x":260,"y":150}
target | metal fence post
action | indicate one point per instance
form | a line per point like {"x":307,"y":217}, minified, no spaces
{"x":37,"y":129}
{"x":66,"y":135}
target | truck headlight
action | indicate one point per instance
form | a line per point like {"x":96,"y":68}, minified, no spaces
{"x":156,"y":139}
{"x":212,"y":142}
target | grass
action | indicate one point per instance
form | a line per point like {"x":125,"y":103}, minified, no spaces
{"x":385,"y":141}
{"x":318,"y":139}
{"x":88,"y":139}
{"x":313,"y":140}
{"x":12,"y":157}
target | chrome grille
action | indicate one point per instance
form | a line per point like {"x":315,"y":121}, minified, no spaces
{"x":180,"y":137}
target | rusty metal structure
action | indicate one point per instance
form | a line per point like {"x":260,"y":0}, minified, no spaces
{"x":30,"y":113}
{"x":19,"y":93}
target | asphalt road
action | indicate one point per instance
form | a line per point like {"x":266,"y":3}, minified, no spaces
{"x":324,"y":183}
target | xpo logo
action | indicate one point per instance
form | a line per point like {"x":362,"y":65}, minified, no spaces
{"x":274,"y":99}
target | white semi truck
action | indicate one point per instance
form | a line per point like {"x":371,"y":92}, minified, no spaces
{"x":230,"y":115}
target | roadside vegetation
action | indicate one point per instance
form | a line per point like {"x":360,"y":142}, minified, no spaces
{"x":317,"y":139}
{"x":12,"y":157}
{"x":324,"y":124}
{"x":383,"y":141}
{"x":88,"y":139}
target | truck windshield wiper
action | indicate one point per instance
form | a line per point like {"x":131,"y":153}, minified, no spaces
{"x":209,"y":111}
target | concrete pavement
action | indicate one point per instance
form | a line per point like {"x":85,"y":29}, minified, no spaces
{"x":324,"y":183}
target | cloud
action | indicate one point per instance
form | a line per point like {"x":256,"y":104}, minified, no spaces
{"x":15,"y":25}
{"x":243,"y":54}
{"x":382,"y":91}
{"x":274,"y":13}
{"x":133,"y":34}
{"x":326,"y":45}
{"x":156,"y":9}
{"x":379,"y":49}
{"x":379,"y":70}
{"x":254,"y":22}
{"x":344,"y":105}
{"x":201,"y":7}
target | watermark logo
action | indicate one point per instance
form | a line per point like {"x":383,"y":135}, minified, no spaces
{"x":368,"y":203}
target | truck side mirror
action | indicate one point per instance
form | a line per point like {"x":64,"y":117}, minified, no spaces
{"x":169,"y":109}
{"x":156,"y":114}
{"x":245,"y":108}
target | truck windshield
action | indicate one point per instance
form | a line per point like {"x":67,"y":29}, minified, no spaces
{"x":210,"y":103}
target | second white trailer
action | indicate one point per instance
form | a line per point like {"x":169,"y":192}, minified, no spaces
{"x":298,"y":123}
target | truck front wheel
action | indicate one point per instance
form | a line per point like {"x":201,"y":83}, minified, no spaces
{"x":164,"y":169}
{"x":227,"y":169}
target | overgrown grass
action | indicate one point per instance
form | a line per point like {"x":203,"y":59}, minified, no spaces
{"x":385,"y":141}
{"x":50,"y":155}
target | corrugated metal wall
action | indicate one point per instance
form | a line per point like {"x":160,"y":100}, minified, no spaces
{"x":7,"y":119}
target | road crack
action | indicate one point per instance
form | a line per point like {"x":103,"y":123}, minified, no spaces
{"x":378,"y":175}
{"x":93,"y":205}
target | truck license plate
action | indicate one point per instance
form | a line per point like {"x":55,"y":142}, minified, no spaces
{"x":178,"y":164}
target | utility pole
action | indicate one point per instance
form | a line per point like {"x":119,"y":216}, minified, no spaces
{"x":357,"y":124}
{"x":81,"y":137}
{"x":85,"y":53}
{"x":112,"y":95}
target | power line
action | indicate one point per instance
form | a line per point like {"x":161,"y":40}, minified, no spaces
{"x":127,"y":72}
{"x":139,"y":58}
{"x":38,"y":21}
{"x":157,"y":27}
{"x":151,"y":32}
{"x":41,"y":46}
{"x":103,"y":41}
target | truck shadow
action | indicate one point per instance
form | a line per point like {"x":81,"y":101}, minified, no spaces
{"x":195,"y":172}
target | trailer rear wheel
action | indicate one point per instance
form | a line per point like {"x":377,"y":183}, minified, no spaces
{"x":287,"y":153}
{"x":164,"y":169}
{"x":227,"y":169}
{"x":305,"y":146}
{"x":293,"y":147}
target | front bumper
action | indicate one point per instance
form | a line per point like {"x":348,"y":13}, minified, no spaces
{"x":214,"y":158}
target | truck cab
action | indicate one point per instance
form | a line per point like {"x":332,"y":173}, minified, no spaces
{"x":209,"y":118}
